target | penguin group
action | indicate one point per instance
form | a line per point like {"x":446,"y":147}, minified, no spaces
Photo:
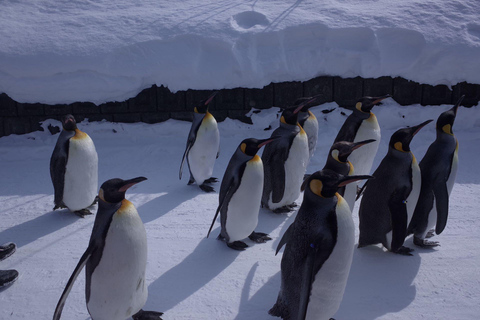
{"x":400,"y":198}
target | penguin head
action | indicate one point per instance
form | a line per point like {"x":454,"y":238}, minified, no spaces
{"x":401,"y":139}
{"x":69,"y":123}
{"x":113,"y":190}
{"x":446,"y":119}
{"x":325,"y":183}
{"x":365,"y":104}
{"x":307,"y":102}
{"x":290,"y":115}
{"x":251,"y":146}
{"x":202,"y":106}
{"x":340,"y":151}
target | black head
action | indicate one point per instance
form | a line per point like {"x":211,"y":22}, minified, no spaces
{"x":69,"y":123}
{"x":113,"y":190}
{"x":251,"y":146}
{"x":446,"y":119}
{"x":202,"y":106}
{"x":341,"y":150}
{"x":365,"y":104}
{"x":401,"y":139}
{"x":290,"y":115}
{"x":325,"y":183}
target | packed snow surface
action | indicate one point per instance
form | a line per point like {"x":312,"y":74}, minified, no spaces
{"x":70,"y":50}
{"x":194,"y":277}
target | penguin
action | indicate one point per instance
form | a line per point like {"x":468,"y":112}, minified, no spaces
{"x":361,"y":125}
{"x":308,"y":121}
{"x":115,"y":259}
{"x":240,"y":196}
{"x":337,"y":160}
{"x":439,"y":170}
{"x":202,"y":147}
{"x":74,"y":169}
{"x":389,"y":200}
{"x":318,"y":251}
{"x":285,"y":161}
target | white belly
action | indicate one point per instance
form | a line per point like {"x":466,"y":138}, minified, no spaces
{"x":311,"y":129}
{"x":295,"y":168}
{"x":416,"y":186}
{"x":362,"y":158}
{"x":202,"y":155}
{"x":329,"y":284}
{"x":350,"y":195}
{"x":118,"y":288}
{"x":242,"y":211}
{"x":81,"y":174}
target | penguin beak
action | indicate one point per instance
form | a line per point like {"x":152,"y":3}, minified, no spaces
{"x":267,"y":141}
{"x":127,"y":184}
{"x":211,"y":98}
{"x":362,"y":143}
{"x":377,"y":100}
{"x":455,"y":108}
{"x":414,"y":130}
{"x":349,"y":179}
{"x":305,"y":103}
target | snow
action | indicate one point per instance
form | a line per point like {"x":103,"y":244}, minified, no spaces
{"x":192,"y":277}
{"x":66,"y":51}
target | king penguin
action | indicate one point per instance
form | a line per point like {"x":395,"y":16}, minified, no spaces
{"x":337,"y":160}
{"x":115,"y":259}
{"x":318,"y":251}
{"x":362,"y":125}
{"x":74,"y":169}
{"x":202,"y":146}
{"x":308,"y":122}
{"x":285,"y":161}
{"x":439,"y":169}
{"x":240,"y":196}
{"x":389,"y":200}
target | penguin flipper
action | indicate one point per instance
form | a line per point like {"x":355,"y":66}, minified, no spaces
{"x":73,"y":277}
{"x":58,"y":164}
{"x":441,"y":201}
{"x":232,"y":187}
{"x":398,"y":211}
{"x":285,"y":238}
{"x":187,"y":149}
{"x":307,"y":280}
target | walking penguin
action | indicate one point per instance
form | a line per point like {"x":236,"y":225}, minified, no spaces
{"x":115,"y":259}
{"x":318,"y":251}
{"x":439,"y":169}
{"x":202,"y":146}
{"x":240,"y":196}
{"x":74,"y":169}
{"x":389,"y":200}
{"x":308,"y":122}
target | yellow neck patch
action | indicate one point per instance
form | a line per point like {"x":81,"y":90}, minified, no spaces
{"x":282,"y":120}
{"x":352,"y":169}
{"x":256,"y":158}
{"x":399,"y":146}
{"x":124,"y":207}
{"x":316,"y":186}
{"x":311,"y":114}
{"x":447,"y":129}
{"x":79,"y":134}
{"x":301,"y":129}
{"x":195,"y":110}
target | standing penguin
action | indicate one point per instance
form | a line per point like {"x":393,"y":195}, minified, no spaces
{"x":308,"y":122}
{"x":439,"y":169}
{"x":389,"y":201}
{"x":285,"y":161}
{"x":318,"y":251}
{"x":115,"y":259}
{"x":74,"y":169}
{"x":240,"y":196}
{"x":337,"y":160}
{"x":202,"y":146}
{"x":361,"y":125}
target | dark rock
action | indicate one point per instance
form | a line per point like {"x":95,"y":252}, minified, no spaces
{"x":436,"y":95}
{"x":347,"y":91}
{"x":145,"y":101}
{"x":378,"y":86}
{"x":259,"y":98}
{"x":471,"y":92}
{"x":406,"y":92}
{"x":286,"y":93}
{"x":8,"y":107}
{"x":322,"y":86}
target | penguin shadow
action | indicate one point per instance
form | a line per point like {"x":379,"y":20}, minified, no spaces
{"x":31,"y":230}
{"x":288,"y":221}
{"x":258,"y":305}
{"x":175,"y":285}
{"x":379,"y":283}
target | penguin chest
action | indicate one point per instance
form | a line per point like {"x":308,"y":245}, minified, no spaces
{"x":203,"y":153}
{"x":243,"y":208}
{"x":81,"y":173}
{"x":118,"y":288}
{"x":362,"y":158}
{"x":330,"y":281}
{"x":350,"y":191}
{"x":453,"y":171}
{"x":415,"y":193}
{"x":311,"y":128}
{"x":295,"y":167}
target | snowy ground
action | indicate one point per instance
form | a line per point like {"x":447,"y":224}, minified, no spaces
{"x":192,"y":277}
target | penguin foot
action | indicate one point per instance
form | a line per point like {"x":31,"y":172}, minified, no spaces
{"x":147,"y":315}
{"x":404,"y":251}
{"x":211,"y":180}
{"x":278,"y":310}
{"x":7,"y":277}
{"x":94,"y":201}
{"x":7,"y":250}
{"x":292,"y":205}
{"x":259,"y":237}
{"x":191,"y":181}
{"x":430,"y":233}
{"x":283,"y":209}
{"x":82,"y":213}
{"x":206,"y":188}
{"x":59,"y":206}
{"x":425,"y":243}
{"x":220,"y":237}
{"x":237,"y":245}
